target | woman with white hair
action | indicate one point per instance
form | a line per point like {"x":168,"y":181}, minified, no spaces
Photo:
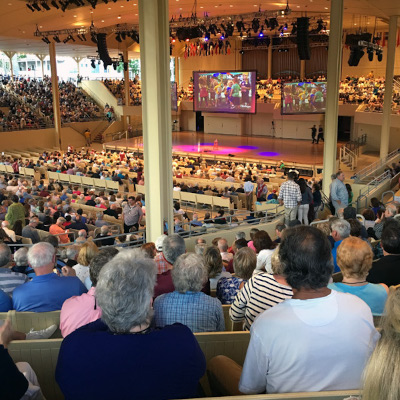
{"x":21,"y":263}
{"x":121,"y":356}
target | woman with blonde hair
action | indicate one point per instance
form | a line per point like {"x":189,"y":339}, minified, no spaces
{"x":354,"y":257}
{"x":383,"y":368}
{"x":86,"y":253}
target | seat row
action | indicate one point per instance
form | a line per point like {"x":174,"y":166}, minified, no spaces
{"x":42,"y":355}
{"x":84,"y":181}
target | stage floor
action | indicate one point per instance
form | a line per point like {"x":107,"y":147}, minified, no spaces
{"x":262,"y":148}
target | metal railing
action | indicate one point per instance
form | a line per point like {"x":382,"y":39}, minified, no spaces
{"x":391,"y":157}
{"x":348,"y":157}
{"x":373,"y":185}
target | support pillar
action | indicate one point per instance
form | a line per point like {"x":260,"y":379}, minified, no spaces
{"x":126,"y":86}
{"x":302,"y":69}
{"x":156,"y":115}
{"x":41,"y":58}
{"x":332,"y":98}
{"x":387,"y":101}
{"x":78,"y":60}
{"x":270,"y":60}
{"x":56,"y":94}
{"x":10,"y":55}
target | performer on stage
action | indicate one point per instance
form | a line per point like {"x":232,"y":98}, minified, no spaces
{"x":314,"y":134}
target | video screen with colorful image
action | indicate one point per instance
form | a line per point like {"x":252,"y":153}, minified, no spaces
{"x":225,"y":92}
{"x":303,"y":98}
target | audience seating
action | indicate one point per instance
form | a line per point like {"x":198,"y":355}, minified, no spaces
{"x":42,"y":356}
{"x":229,"y":324}
{"x":25,"y":321}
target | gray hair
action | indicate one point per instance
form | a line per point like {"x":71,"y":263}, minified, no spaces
{"x":200,"y":248}
{"x":240,"y":235}
{"x":99,"y":261}
{"x":82,"y":233}
{"x":342,"y":227}
{"x":99,"y":215}
{"x":21,"y":257}
{"x":189,"y":273}
{"x":5,"y":255}
{"x":125,"y":289}
{"x":72,"y":252}
{"x":41,"y":254}
{"x":392,"y":209}
{"x":173,"y":247}
{"x":223,"y":245}
{"x":104,"y":229}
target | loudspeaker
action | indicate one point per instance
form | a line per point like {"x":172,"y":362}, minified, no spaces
{"x":303,"y":43}
{"x":103,"y":50}
{"x":356,"y":54}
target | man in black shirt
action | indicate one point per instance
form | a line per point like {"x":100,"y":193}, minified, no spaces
{"x":111,"y":211}
{"x":387,"y":269}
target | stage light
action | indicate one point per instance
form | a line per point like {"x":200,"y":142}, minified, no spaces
{"x":273,"y":23}
{"x":93,"y":64}
{"x":241,"y":52}
{"x":118,"y":37}
{"x":56,"y":39}
{"x":285,"y":26}
{"x":260,"y":34}
{"x":45,"y":5}
{"x":379,"y":55}
{"x":54,"y":4}
{"x":294,"y":28}
{"x":320,"y":25}
{"x":36,"y":6}
{"x":255,"y":25}
{"x":93,"y":37}
{"x":123,"y":35}
{"x":370,"y":52}
{"x":46,"y":40}
{"x":30,"y":7}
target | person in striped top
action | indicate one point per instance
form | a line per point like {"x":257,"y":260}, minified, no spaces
{"x":260,"y":293}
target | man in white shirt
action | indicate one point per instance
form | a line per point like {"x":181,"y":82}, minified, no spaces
{"x":318,"y":340}
{"x":248,"y":190}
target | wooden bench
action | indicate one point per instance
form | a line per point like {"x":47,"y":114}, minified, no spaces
{"x":42,"y":355}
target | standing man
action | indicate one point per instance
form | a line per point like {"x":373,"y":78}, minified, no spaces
{"x":313,"y":134}
{"x":87,"y":137}
{"x":248,"y":190}
{"x":339,"y":194}
{"x":132,"y":215}
{"x":320,"y":134}
{"x":290,"y":197}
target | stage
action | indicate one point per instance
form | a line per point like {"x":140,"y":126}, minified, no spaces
{"x":240,"y":147}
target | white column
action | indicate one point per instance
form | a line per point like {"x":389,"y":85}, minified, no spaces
{"x":156,"y":115}
{"x":270,"y":60}
{"x":10,"y":55}
{"x":387,"y":101}
{"x":56,"y":94}
{"x":332,"y":99}
{"x":126,"y":86}
{"x":41,"y":58}
{"x":302,"y":69}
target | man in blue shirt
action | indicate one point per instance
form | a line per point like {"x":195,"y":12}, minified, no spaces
{"x":187,"y":304}
{"x":339,"y":194}
{"x":47,"y":291}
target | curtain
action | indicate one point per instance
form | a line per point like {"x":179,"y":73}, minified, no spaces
{"x":285,"y":63}
{"x":256,"y":60}
{"x":318,"y":63}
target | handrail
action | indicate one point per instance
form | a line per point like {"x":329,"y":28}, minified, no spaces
{"x":364,"y":192}
{"x":375,"y":166}
{"x":347,"y":154}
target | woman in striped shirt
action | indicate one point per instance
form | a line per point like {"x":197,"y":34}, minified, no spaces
{"x":260,"y":293}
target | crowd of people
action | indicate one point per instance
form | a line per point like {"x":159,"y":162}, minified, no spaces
{"x":75,"y":105}
{"x":117,"y":88}
{"x":138,"y":301}
{"x":19,"y":114}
